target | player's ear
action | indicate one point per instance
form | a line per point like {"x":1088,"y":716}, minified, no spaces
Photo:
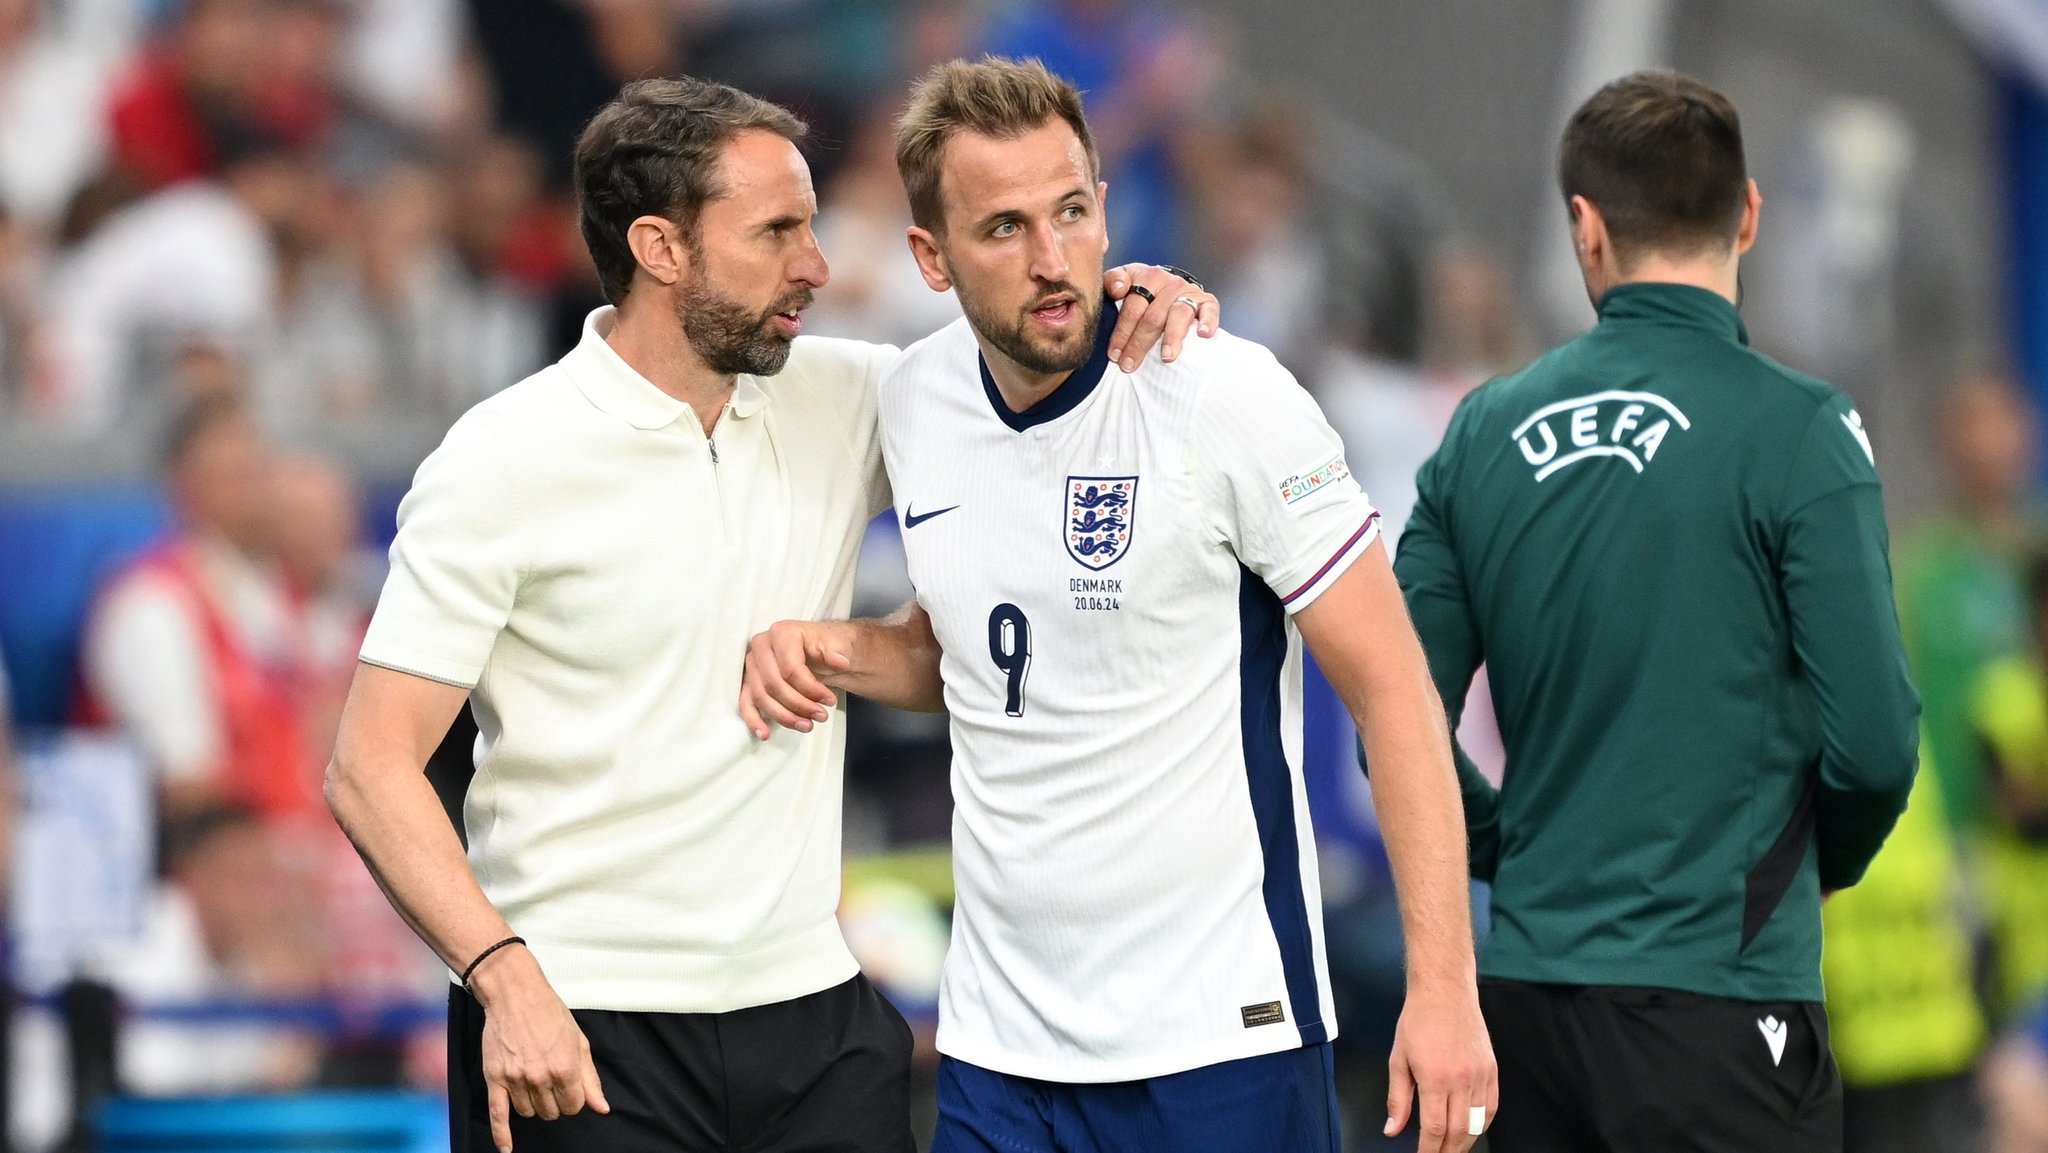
{"x":1589,"y":231}
{"x":1752,"y":209}
{"x":658,"y":248}
{"x":1102,"y":206}
{"x":924,"y":248}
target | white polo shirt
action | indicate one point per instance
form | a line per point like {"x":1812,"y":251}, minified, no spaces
{"x":579,"y":554}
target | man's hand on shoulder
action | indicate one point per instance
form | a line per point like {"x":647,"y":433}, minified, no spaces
{"x":1157,"y":307}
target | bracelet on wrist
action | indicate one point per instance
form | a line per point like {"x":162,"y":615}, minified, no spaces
{"x":480,"y":957}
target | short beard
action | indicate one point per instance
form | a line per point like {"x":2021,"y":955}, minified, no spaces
{"x":1011,"y":335}
{"x":729,"y":339}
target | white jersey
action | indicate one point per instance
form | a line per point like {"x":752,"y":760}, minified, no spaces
{"x":1110,"y":575}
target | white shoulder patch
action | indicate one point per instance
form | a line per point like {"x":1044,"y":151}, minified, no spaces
{"x":1853,"y":421}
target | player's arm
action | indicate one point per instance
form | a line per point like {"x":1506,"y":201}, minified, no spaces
{"x":1284,"y":500}
{"x":1151,"y":310}
{"x":1433,"y":583}
{"x":1359,"y":632}
{"x":793,"y":666}
{"x":1835,"y":573}
{"x":535,"y":1058}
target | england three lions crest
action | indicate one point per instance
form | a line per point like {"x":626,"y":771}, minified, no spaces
{"x":1099,"y":511}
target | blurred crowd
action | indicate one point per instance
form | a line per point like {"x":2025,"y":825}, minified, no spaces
{"x":265,"y":251}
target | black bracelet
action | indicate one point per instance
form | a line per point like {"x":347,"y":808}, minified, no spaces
{"x":466,"y":973}
{"x":1184,"y":274}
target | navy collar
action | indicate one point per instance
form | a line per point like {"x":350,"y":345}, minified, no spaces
{"x":1071,"y":392}
{"x":1681,"y":304}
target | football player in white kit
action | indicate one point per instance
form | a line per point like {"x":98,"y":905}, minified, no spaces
{"x":1114,"y":577}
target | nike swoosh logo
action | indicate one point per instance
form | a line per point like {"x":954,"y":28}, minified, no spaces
{"x":912,"y":519}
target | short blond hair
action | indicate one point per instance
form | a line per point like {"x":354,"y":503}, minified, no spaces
{"x":994,"y":96}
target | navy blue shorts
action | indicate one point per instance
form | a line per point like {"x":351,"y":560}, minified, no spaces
{"x":1278,"y":1103}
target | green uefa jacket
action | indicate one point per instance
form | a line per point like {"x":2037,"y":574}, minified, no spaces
{"x":1670,"y":554}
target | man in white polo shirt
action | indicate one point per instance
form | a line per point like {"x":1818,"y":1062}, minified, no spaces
{"x":644,"y":924}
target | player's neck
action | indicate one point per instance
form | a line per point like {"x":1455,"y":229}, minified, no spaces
{"x":649,"y":338}
{"x":1716,"y":274}
{"x":1019,"y":387}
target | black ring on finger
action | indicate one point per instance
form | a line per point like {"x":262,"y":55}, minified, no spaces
{"x":1141,"y":290}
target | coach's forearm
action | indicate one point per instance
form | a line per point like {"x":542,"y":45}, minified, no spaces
{"x":390,"y":812}
{"x":895,"y":661}
{"x":378,"y":790}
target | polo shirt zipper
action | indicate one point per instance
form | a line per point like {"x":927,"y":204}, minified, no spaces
{"x":718,"y":482}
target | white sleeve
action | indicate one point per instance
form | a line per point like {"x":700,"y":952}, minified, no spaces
{"x":455,"y":564}
{"x":1276,"y":481}
{"x":146,"y":660}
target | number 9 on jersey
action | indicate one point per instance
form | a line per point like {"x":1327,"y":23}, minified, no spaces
{"x":1009,"y":646}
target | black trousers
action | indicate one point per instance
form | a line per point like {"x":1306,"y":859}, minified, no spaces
{"x":1612,"y":1069}
{"x":827,"y":1073}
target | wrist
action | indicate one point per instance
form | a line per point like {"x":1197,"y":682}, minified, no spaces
{"x":1442,"y":980}
{"x":852,"y":640}
{"x":501,"y":973}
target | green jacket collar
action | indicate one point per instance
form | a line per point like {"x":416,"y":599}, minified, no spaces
{"x":1680,"y":304}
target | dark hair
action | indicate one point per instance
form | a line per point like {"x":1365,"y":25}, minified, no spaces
{"x":653,"y":151}
{"x":1660,"y":155}
{"x":994,"y":96}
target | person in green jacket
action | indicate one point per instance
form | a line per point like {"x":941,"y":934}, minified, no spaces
{"x":1961,"y":604}
{"x":1670,"y":554}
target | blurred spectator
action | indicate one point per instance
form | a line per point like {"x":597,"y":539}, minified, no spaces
{"x":1257,"y":247}
{"x":222,"y":927}
{"x":1390,"y":411}
{"x":399,"y":322}
{"x":2016,"y":1084}
{"x":514,"y":246}
{"x":407,"y":62}
{"x":1960,"y":602}
{"x":316,"y":534}
{"x":1472,"y":330}
{"x":2009,"y":709}
{"x":195,"y":265}
{"x":876,"y":292}
{"x":166,"y":105}
{"x":24,"y":387}
{"x":1903,"y":1014}
{"x":369,"y":954}
{"x":1148,"y":72}
{"x":188,"y":649}
{"x":296,"y":93}
{"x":55,"y":63}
